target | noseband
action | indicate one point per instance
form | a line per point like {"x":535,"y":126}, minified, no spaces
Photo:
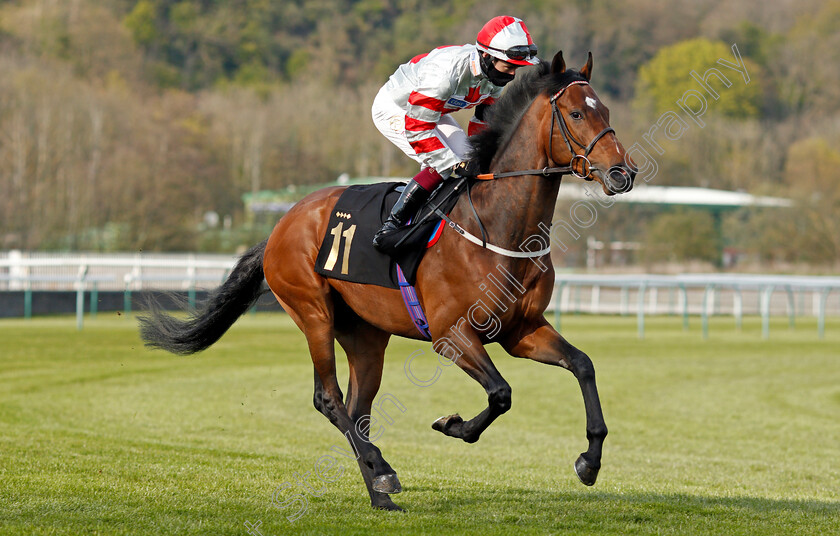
{"x":557,"y":117}
{"x":568,"y":137}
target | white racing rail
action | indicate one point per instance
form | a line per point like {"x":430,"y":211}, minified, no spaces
{"x":710,"y":286}
{"x":640,"y":294}
{"x":32,"y":272}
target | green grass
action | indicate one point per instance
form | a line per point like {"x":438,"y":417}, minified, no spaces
{"x":733,"y":435}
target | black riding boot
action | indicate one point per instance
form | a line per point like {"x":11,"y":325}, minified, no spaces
{"x":412,"y":197}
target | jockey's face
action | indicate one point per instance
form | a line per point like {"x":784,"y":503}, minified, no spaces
{"x":505,"y":67}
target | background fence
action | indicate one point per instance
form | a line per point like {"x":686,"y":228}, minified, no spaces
{"x":57,"y":277}
{"x":57,"y":271}
{"x":698,"y":294}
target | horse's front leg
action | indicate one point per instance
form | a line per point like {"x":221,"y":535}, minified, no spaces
{"x":475,"y":362}
{"x":542,"y":343}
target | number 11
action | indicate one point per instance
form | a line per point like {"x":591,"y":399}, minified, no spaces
{"x":336,"y":244}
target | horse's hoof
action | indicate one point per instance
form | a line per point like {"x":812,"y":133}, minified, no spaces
{"x":387,"y":484}
{"x":443,"y":424}
{"x":586,"y":472}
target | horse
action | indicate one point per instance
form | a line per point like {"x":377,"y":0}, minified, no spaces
{"x":532,"y":139}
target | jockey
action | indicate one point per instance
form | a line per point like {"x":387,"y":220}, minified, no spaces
{"x":411,"y":108}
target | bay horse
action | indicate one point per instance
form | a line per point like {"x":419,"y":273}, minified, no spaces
{"x":544,"y":120}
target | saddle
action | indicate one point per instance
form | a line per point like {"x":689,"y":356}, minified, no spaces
{"x":347,"y":252}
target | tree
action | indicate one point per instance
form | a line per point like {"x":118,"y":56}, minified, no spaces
{"x":809,"y":64}
{"x":809,"y":231}
{"x":664,"y":79}
{"x":811,"y":171}
{"x":682,"y":235}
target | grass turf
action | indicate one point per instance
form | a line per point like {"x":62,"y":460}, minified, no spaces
{"x":733,"y":435}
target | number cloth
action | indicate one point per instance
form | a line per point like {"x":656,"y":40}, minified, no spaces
{"x":347,"y":252}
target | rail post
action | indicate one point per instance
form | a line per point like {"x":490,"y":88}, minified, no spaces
{"x":821,"y":313}
{"x":708,"y":303}
{"x":640,"y":313}
{"x":80,"y":297}
{"x":94,"y":299}
{"x":791,"y":307}
{"x":128,"y":279}
{"x":27,"y":301}
{"x":766,"y":294}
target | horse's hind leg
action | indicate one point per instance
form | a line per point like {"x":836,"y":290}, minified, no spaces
{"x":328,"y":400}
{"x":365,"y":348}
{"x":288,"y":264}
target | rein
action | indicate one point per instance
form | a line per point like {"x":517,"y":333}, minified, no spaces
{"x":546,"y":171}
{"x":567,"y":137}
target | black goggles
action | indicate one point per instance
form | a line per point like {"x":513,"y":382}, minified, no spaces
{"x":518,"y":53}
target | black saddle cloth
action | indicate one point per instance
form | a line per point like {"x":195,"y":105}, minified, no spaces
{"x":347,"y":251}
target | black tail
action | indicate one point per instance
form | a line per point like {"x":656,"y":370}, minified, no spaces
{"x":214,"y":316}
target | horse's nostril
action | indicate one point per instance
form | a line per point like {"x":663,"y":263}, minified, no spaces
{"x":621,"y":180}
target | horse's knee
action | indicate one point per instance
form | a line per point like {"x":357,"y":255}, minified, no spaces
{"x":500,"y":398}
{"x":582,"y":366}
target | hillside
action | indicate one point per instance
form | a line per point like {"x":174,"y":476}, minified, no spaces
{"x":125,"y":122}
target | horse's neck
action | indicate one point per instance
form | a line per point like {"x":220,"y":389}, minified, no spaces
{"x":512,"y":208}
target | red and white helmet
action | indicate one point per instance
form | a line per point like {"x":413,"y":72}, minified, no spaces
{"x":508,"y":39}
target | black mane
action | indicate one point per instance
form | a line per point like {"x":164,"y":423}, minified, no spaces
{"x":505,"y":114}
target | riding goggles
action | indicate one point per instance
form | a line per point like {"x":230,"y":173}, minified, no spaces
{"x":518,"y":53}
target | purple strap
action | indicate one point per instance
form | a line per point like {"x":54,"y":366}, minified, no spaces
{"x":412,"y":303}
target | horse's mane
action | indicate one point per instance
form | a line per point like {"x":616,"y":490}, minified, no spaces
{"x":508,"y":110}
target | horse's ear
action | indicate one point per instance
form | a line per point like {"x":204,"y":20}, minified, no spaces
{"x":586,"y":72}
{"x":558,"y":64}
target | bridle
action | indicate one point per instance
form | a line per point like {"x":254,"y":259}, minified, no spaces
{"x":568,"y":137}
{"x":557,"y":117}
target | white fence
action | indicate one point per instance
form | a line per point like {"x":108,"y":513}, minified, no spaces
{"x":699,"y":294}
{"x":687,"y":294}
{"x":32,"y":272}
{"x":57,"y":271}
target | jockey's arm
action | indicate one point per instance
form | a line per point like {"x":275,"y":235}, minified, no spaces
{"x":479,"y":120}
{"x":425,"y":106}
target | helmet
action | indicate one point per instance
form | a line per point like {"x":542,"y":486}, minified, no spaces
{"x":508,"y":39}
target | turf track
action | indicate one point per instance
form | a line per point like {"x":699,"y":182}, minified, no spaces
{"x":734,"y":435}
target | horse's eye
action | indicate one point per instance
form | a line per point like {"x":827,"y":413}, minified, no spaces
{"x":576,"y":115}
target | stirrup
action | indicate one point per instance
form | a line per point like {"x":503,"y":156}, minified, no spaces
{"x":382,"y":240}
{"x":411,"y":199}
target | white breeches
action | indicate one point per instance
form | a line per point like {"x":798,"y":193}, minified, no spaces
{"x":390,"y":120}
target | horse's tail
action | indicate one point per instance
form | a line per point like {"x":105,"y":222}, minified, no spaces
{"x":214,"y":316}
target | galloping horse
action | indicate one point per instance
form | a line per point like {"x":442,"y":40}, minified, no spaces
{"x":548,"y":124}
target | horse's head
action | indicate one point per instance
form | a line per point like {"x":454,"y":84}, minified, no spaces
{"x":580,"y":134}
